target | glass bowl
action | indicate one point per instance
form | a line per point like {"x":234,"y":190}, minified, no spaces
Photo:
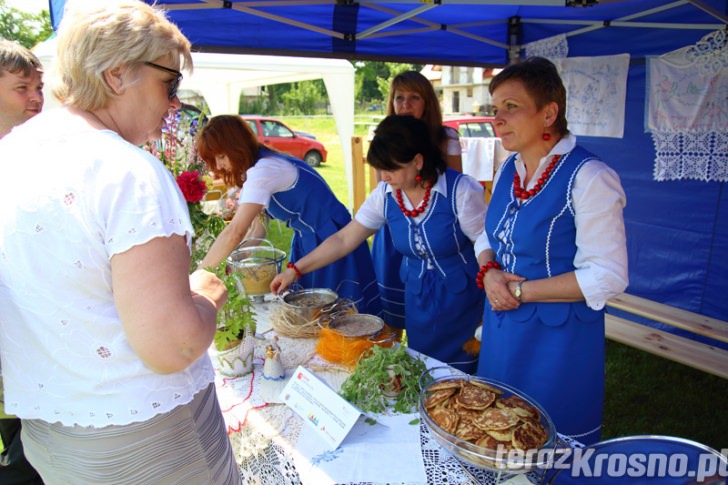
{"x":495,"y":460}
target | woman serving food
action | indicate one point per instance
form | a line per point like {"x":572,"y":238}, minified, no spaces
{"x":434,"y":214}
{"x":291,"y":191}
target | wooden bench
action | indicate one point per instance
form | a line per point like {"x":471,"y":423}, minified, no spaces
{"x":696,"y":354}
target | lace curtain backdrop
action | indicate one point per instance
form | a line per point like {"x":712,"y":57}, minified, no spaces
{"x":552,"y":48}
{"x":687,"y":110}
{"x":596,"y":87}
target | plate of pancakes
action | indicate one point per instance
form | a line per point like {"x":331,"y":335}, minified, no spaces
{"x":486,"y":423}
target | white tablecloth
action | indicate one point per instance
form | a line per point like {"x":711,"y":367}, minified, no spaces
{"x":266,"y":434}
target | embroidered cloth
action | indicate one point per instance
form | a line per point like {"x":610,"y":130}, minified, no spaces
{"x":687,"y":110}
{"x":596,"y":92}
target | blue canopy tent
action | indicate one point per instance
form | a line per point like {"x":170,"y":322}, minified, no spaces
{"x":677,"y":230}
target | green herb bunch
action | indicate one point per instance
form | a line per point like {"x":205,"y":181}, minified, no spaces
{"x":366,"y":386}
{"x":237,"y":313}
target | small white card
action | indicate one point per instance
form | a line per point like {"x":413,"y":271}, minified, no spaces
{"x":320,"y":406}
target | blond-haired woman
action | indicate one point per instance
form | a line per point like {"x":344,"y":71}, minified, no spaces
{"x":104,"y":332}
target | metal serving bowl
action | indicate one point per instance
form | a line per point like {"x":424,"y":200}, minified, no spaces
{"x":257,"y":266}
{"x":308,"y":303}
{"x":486,"y":458}
{"x":356,"y":325}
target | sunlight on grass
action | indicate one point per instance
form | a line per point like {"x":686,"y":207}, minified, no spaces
{"x":324,"y":127}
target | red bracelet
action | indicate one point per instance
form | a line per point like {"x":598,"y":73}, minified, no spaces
{"x":484,"y":269}
{"x":293,"y":267}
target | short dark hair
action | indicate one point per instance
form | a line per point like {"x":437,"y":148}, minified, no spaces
{"x":398,"y":139}
{"x":542,"y":81}
{"x":16,"y":58}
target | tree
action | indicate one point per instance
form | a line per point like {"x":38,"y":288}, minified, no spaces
{"x":302,"y":98}
{"x":373,"y":78}
{"x":366,"y":88}
{"x":26,"y":28}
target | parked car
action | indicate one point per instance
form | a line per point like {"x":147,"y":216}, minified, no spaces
{"x":472,"y":126}
{"x":307,"y":135}
{"x":276,"y":134}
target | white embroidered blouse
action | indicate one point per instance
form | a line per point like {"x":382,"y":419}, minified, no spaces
{"x":88,"y":196}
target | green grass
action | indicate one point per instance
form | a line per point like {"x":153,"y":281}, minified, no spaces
{"x":325,"y":130}
{"x":645,"y":394}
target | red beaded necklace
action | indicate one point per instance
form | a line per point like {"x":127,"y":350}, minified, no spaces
{"x":417,"y":210}
{"x":521,"y":193}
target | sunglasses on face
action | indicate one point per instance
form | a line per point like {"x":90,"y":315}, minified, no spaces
{"x":174,"y":83}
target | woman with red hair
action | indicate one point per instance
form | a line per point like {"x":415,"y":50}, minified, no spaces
{"x":291,"y":191}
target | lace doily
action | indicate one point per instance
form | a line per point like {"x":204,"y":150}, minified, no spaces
{"x":710,"y":54}
{"x":687,"y":98}
{"x":274,"y":465}
{"x":686,"y":155}
{"x":555,"y":47}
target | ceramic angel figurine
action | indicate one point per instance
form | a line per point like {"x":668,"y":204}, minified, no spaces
{"x":273,"y":369}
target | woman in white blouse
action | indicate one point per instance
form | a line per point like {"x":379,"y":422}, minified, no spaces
{"x":104,"y":332}
{"x":557,"y":254}
{"x":434,"y":215}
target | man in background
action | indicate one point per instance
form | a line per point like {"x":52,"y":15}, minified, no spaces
{"x":21,"y":98}
{"x":21,"y":85}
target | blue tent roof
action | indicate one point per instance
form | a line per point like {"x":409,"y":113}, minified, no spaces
{"x":457,"y":32}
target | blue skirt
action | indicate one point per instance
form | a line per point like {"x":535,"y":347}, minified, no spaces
{"x":387,"y":263}
{"x":561,"y":367}
{"x":441,"y":320}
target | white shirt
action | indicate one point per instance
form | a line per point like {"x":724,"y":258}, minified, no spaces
{"x":89,"y":195}
{"x":598,"y":198}
{"x":469,"y":201}
{"x":268,"y":176}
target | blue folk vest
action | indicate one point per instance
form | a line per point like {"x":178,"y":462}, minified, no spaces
{"x":537,"y":239}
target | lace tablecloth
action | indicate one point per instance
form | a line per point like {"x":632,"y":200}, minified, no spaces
{"x":264,"y":432}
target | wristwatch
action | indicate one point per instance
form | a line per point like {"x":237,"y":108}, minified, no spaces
{"x":518,"y":292}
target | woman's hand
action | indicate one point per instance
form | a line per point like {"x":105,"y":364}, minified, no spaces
{"x":498,"y":292}
{"x":282,"y":281}
{"x":206,"y":284}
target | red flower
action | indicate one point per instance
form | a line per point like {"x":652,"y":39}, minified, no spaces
{"x":192,"y":186}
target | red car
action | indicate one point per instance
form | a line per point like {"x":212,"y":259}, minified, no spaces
{"x":472,"y":126}
{"x":276,"y":134}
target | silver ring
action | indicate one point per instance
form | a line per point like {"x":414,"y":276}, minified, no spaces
{"x":496,"y":301}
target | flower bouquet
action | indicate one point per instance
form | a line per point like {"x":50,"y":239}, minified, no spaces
{"x":177,"y":149}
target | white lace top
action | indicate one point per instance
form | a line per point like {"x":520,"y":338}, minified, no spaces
{"x":86,"y":195}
